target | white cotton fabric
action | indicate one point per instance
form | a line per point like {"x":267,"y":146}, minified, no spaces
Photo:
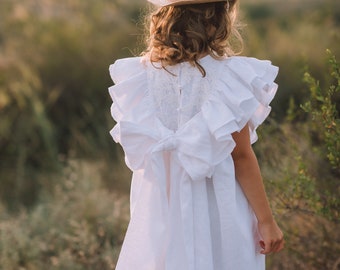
{"x":187,"y":210}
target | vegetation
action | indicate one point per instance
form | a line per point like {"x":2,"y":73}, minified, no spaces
{"x":63,"y":185}
{"x":300,"y":164}
{"x":79,"y":228}
{"x":53,"y":76}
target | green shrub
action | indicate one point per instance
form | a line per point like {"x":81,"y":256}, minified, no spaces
{"x":80,"y":227}
{"x":301,"y":171}
{"x":324,"y":114}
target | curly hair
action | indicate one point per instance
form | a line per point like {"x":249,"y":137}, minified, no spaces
{"x":189,"y":32}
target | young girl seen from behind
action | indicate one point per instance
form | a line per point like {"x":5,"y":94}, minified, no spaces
{"x":186,"y":114}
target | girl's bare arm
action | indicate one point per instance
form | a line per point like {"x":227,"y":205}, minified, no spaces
{"x":249,"y":176}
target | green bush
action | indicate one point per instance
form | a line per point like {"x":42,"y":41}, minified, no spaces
{"x":325,"y":122}
{"x":301,"y":171}
{"x":80,"y":227}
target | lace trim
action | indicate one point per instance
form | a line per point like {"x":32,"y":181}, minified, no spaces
{"x":178,"y":93}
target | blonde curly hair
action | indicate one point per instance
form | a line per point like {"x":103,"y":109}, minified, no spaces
{"x":188,"y":32}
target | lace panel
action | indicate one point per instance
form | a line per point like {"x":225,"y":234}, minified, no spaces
{"x":177,"y":94}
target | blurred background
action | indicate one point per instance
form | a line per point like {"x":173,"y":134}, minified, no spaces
{"x":63,"y":183}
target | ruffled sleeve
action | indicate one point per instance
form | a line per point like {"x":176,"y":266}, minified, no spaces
{"x":246,"y":86}
{"x":128,"y":93}
{"x":129,"y":77}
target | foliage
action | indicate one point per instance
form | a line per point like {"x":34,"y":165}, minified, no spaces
{"x":297,"y":35}
{"x":325,"y":115}
{"x":80,"y":227}
{"x":24,"y":122}
{"x":54,"y":60}
{"x":303,"y":179}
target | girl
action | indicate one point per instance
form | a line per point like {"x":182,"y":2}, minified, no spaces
{"x":186,"y":116}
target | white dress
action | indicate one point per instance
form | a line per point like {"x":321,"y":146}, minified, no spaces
{"x":187,"y":210}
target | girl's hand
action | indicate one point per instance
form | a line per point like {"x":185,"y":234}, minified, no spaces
{"x":272,"y":237}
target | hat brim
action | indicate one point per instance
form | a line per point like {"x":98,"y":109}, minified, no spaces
{"x":186,"y":2}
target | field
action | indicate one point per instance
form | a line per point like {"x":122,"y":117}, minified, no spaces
{"x":63,"y":183}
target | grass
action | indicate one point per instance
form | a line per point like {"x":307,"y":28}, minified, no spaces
{"x":80,"y":226}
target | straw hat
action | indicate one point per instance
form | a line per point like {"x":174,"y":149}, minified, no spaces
{"x":164,"y":3}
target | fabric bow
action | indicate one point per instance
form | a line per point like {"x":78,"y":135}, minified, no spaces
{"x":194,"y":148}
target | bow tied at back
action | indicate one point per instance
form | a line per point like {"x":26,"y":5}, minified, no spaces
{"x":193,"y":146}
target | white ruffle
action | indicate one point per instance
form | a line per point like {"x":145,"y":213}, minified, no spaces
{"x":129,"y":90}
{"x":245,"y":88}
{"x":128,"y":94}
